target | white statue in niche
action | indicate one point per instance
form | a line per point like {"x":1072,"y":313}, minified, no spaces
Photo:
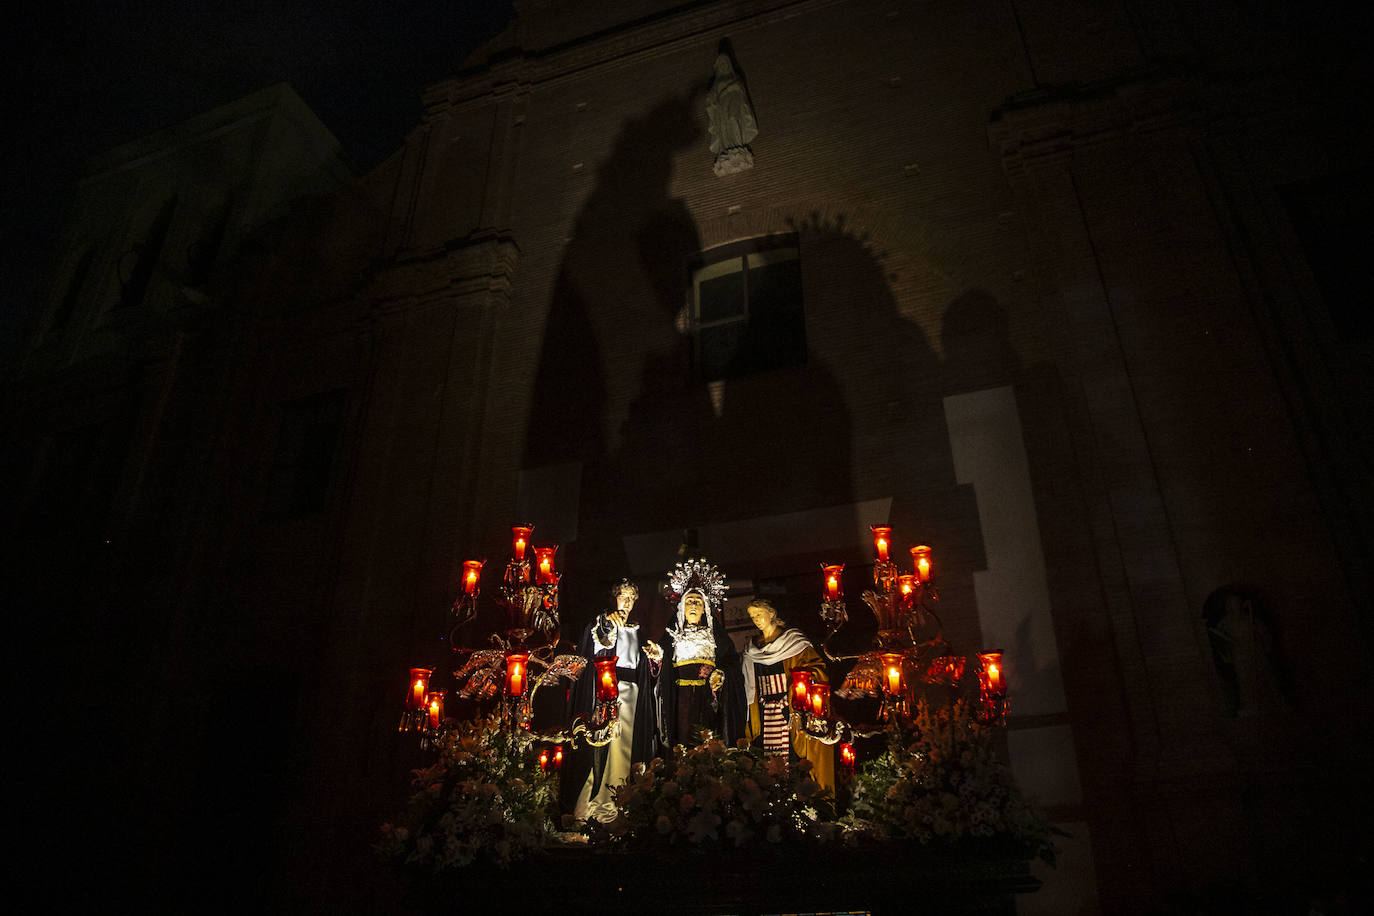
{"x":731,"y":120}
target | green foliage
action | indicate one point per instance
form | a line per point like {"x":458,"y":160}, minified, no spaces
{"x":485,"y":799}
{"x":941,"y":782}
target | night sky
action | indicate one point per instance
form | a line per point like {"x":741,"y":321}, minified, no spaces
{"x":83,"y":77}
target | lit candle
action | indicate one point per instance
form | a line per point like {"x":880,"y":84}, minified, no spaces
{"x":435,"y":702}
{"x":607,"y":684}
{"x":544,"y":760}
{"x":920,"y":561}
{"x":992,"y":686}
{"x":833,"y":592}
{"x":892,"y":673}
{"x":906,"y":584}
{"x":543,"y":558}
{"x":820,"y":700}
{"x":515,"y":673}
{"x":558,"y":757}
{"x":847,"y":756}
{"x":419,"y":684}
{"x":520,"y":537}
{"x":992,"y":670}
{"x":801,"y":689}
{"x":882,"y":537}
{"x":472,"y":574}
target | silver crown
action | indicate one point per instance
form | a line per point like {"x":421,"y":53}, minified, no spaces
{"x":691,"y":574}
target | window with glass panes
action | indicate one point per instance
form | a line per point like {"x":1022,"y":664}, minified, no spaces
{"x":747,"y":309}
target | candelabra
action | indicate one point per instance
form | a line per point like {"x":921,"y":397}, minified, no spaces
{"x":909,"y":647}
{"x":525,"y":659}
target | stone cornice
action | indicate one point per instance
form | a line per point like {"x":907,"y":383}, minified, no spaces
{"x":1048,"y":124}
{"x":474,"y":267}
{"x":623,"y":46}
{"x":276,"y":100}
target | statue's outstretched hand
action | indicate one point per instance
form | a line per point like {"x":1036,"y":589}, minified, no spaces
{"x":652,"y":650}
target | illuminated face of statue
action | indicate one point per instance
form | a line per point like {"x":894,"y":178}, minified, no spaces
{"x":693,"y":608}
{"x":624,"y":603}
{"x":765,"y":618}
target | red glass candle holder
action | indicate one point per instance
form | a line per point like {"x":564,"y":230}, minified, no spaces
{"x":607,"y":684}
{"x":847,"y":756}
{"x":834,"y":591}
{"x":801,"y":690}
{"x":992,"y":688}
{"x":434,"y":703}
{"x":545,"y":760}
{"x":472,"y":577}
{"x":920,"y":562}
{"x":558,"y":757}
{"x":544,"y":573}
{"x":517,"y":670}
{"x":892,"y":673}
{"x":820,"y":701}
{"x":419,"y":686}
{"x":519,"y":540}
{"x":882,"y":541}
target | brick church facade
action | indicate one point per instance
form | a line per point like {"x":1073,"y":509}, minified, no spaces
{"x":1024,"y":281}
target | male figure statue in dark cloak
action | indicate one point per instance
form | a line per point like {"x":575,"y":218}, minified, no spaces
{"x":701,"y":688}
{"x":593,"y":773}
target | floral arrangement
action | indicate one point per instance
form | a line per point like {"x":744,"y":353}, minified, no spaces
{"x":941,"y":782}
{"x":713,"y":794}
{"x":485,"y":799}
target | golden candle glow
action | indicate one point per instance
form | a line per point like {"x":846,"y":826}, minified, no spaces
{"x":801,"y":690}
{"x":419,"y":685}
{"x":520,"y":539}
{"x":992,"y":687}
{"x":882,"y":539}
{"x":920,"y":562}
{"x":435,"y":703}
{"x":472,"y":575}
{"x":820,"y":700}
{"x":516,"y":671}
{"x":607,"y":684}
{"x":892,"y":673}
{"x":833,"y":591}
{"x":543,"y":560}
{"x":992,"y":670}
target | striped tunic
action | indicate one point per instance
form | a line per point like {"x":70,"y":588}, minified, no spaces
{"x":774,"y":707}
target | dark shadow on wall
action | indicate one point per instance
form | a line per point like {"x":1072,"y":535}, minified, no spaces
{"x":670,"y":453}
{"x":620,"y":268}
